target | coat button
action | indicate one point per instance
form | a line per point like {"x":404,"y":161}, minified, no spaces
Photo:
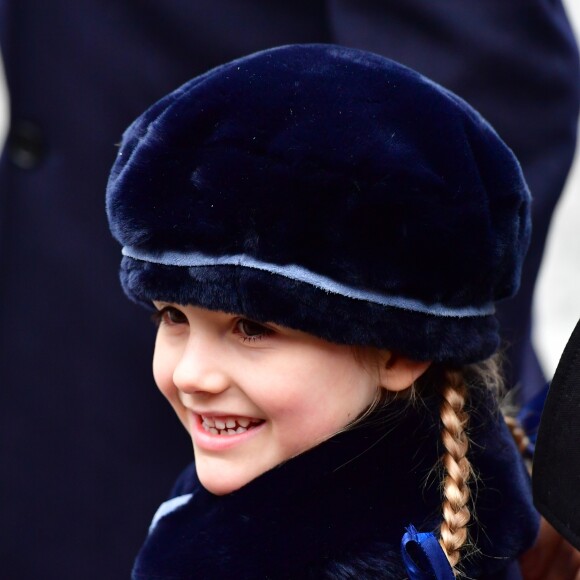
{"x":26,"y":147}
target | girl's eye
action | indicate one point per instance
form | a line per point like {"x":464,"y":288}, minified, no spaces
{"x":170,"y":316}
{"x":250,"y":330}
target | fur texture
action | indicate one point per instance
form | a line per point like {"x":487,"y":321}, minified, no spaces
{"x":339,"y":161}
{"x":339,"y":511}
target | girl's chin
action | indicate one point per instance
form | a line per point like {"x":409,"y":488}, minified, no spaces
{"x":220,"y":483}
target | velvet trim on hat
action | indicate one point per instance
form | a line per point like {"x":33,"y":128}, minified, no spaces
{"x":329,"y":190}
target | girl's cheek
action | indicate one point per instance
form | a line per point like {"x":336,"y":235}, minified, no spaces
{"x":166,"y":387}
{"x":163,"y":373}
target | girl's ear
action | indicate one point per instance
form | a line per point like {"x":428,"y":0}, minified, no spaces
{"x":398,"y":373}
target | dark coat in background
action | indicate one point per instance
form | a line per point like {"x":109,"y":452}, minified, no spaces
{"x":87,"y":446}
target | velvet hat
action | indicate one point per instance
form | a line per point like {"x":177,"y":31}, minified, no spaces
{"x":329,"y":190}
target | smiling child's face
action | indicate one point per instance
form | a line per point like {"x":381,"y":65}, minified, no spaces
{"x":252,"y":396}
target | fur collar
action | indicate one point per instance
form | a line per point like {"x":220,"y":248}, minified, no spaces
{"x":340,"y":510}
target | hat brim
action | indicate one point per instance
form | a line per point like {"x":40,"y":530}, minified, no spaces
{"x":266,"y":297}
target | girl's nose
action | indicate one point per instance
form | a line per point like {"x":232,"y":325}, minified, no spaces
{"x":201,"y":369}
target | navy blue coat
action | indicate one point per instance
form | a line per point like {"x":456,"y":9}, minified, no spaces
{"x":87,"y":446}
{"x":339,"y":510}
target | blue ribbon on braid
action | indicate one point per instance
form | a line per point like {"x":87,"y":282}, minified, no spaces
{"x":424,"y":557}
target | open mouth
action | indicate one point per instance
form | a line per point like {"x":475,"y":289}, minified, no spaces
{"x":228,"y":425}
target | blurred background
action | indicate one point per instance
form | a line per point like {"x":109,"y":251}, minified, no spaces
{"x":557,"y":300}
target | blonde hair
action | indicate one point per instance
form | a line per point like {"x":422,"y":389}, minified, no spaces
{"x":457,"y":468}
{"x":453,"y":386}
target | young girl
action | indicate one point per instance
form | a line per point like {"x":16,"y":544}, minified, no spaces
{"x":323,"y":234}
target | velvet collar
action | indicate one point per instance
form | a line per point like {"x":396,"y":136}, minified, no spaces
{"x":340,"y":509}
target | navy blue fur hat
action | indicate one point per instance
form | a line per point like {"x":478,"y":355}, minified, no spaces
{"x":329,"y":190}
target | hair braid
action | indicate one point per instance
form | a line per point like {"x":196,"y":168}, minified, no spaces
{"x":454,"y":418}
{"x":518,"y":433}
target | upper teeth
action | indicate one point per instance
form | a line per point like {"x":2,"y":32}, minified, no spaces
{"x":227,"y":425}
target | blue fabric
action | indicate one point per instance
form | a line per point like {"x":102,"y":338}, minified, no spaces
{"x":300,"y":274}
{"x":529,"y":417}
{"x":338,"y":162}
{"x":424,"y":557}
{"x":339,"y":510}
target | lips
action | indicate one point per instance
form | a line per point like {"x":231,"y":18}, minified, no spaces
{"x":230,"y":425}
{"x":221,"y":433}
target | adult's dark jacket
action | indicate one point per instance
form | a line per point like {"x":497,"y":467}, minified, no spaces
{"x":87,"y":447}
